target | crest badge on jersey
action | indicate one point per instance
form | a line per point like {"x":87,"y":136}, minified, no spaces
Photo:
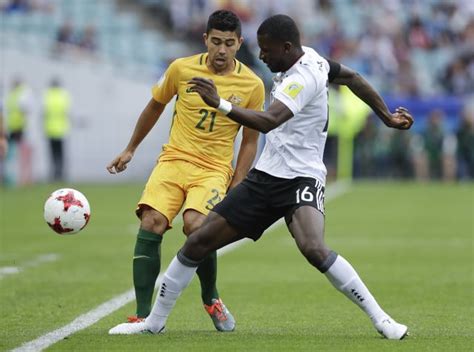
{"x":234,"y":99}
{"x":293,"y":89}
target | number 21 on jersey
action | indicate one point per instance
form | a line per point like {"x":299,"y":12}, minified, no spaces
{"x":204,"y":114}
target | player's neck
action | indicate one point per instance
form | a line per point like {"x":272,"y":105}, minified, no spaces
{"x":296,"y":55}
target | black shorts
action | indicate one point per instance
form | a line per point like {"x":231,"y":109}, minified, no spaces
{"x":261,"y":199}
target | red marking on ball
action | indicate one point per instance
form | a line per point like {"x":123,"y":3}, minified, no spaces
{"x":58,"y":228}
{"x":69,"y":200}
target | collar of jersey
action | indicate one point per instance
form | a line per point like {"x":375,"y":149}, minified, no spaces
{"x":280,"y":76}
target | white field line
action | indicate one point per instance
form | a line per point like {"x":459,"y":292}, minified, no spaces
{"x":93,"y":316}
{"x":41,"y":259}
{"x":85,"y":320}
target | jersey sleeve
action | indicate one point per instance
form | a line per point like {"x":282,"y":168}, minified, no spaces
{"x":167,"y":86}
{"x":334,"y":69}
{"x":295,"y":92}
{"x":257,"y":100}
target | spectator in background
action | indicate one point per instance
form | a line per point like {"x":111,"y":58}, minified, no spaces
{"x":42,"y":5}
{"x":189,"y":17}
{"x":417,"y":35}
{"x":18,"y":106}
{"x":3,"y":145}
{"x":380,"y":153}
{"x":377,"y":48}
{"x":16,"y":6}
{"x":70,"y":41}
{"x":65,"y":38}
{"x":24,"y":6}
{"x":56,"y":105}
{"x":439,"y":147}
{"x":433,"y":143}
{"x":3,"y":137}
{"x":365,"y":150}
{"x":401,"y":158}
{"x":459,"y":75}
{"x":465,"y":144}
{"x":88,"y":39}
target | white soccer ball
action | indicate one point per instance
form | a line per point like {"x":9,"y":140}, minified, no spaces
{"x":67,"y":211}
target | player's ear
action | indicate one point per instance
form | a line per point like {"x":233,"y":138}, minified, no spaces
{"x":204,"y":36}
{"x":287,"y":47}
{"x":239,"y":42}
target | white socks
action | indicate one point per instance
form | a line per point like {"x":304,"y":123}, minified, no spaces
{"x":176,"y":278}
{"x":343,"y":277}
{"x":341,"y":274}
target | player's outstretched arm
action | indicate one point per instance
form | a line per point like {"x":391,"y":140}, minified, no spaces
{"x":401,"y":119}
{"x":145,"y":123}
{"x":263,"y":121}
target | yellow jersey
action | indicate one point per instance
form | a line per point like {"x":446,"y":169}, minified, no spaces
{"x":199,"y":133}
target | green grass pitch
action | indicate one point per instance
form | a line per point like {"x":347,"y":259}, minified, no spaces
{"x":411,"y":243}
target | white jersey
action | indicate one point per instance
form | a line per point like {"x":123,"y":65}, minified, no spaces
{"x":296,"y":147}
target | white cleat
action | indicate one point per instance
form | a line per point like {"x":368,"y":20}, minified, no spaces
{"x":391,"y":330}
{"x":133,"y":329}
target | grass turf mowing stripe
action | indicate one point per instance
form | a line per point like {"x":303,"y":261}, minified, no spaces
{"x":85,"y":320}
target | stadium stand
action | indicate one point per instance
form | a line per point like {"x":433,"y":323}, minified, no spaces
{"x":419,"y":53}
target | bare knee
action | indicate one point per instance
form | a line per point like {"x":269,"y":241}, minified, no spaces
{"x":192,"y":221}
{"x":214,"y":233}
{"x":153,"y":221}
{"x":316,"y":255}
{"x":196,"y":247}
{"x":189,"y":228}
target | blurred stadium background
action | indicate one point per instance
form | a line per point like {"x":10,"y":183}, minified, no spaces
{"x":108,"y":53}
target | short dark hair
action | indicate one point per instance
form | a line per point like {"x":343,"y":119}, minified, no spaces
{"x":224,"y":20}
{"x":281,"y":28}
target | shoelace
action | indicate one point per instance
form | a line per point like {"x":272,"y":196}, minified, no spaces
{"x":218,"y":310}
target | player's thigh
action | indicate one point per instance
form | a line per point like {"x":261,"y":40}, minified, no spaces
{"x":246,"y":207}
{"x":305,"y":215}
{"x":164,"y":190}
{"x":307,"y":227}
{"x":205,"y":190}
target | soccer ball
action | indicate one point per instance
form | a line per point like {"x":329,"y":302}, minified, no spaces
{"x":67,"y":211}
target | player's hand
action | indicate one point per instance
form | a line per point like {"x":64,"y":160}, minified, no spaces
{"x":206,"y":89}
{"x":401,"y":119}
{"x":119,"y":164}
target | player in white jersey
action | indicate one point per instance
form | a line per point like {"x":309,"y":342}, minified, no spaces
{"x":296,"y":148}
{"x":288,"y":180}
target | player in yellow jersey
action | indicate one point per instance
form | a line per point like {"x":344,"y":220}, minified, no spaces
{"x":194,"y":169}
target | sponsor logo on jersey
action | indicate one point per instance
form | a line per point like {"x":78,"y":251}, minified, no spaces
{"x":293,"y":89}
{"x":234,"y":99}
